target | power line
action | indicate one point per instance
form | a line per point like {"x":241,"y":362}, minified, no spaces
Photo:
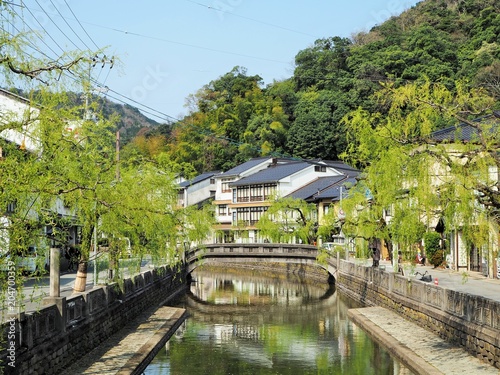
{"x":184,"y":44}
{"x":50,"y":18}
{"x":251,"y":19}
{"x":76,"y":18}
{"x":71,"y":28}
{"x":126,"y":100}
{"x":43,"y":28}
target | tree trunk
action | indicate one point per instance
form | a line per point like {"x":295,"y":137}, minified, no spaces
{"x":81,"y":277}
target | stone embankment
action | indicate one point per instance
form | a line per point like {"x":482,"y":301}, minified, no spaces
{"x":54,"y":337}
{"x":463,"y":319}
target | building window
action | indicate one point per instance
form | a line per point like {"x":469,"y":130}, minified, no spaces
{"x":319,"y":168}
{"x":243,"y":193}
{"x":256,"y":193}
{"x":249,"y":215}
{"x":225,"y":185}
{"x":212,"y":181}
{"x":326,"y":209}
{"x":11,"y":207}
{"x":269,"y":190}
{"x":223,"y":210}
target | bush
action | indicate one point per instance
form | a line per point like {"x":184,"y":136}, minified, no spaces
{"x":433,"y":248}
{"x":437,"y":258}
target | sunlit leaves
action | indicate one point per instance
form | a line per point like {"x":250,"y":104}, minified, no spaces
{"x":423,"y":181}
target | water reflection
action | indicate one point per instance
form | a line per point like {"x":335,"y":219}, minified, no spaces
{"x":246,"y":324}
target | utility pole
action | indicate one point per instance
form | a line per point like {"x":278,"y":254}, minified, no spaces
{"x":88,"y":116}
{"x":103,"y":61}
{"x":117,"y":155}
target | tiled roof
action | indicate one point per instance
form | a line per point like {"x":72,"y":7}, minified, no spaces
{"x":236,"y":171}
{"x":272,"y":174}
{"x":316,"y":186}
{"x":333,"y":192}
{"x":338,"y":165}
{"x":323,"y":188}
{"x":462,"y":132}
{"x":198,"y":178}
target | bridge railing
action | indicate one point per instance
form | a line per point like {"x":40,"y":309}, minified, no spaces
{"x":253,"y":249}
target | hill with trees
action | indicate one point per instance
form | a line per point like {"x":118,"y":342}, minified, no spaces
{"x":130,"y":121}
{"x":236,"y":117}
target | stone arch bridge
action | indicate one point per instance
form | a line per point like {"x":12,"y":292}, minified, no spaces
{"x":258,"y":252}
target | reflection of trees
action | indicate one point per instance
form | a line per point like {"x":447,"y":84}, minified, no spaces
{"x":308,"y":331}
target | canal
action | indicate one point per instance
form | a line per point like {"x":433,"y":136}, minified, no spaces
{"x":243,"y":323}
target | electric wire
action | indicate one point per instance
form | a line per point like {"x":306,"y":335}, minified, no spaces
{"x":70,"y":27}
{"x":185,"y":44}
{"x":84,"y":30}
{"x":36,"y":33}
{"x":144,"y":108}
{"x":251,"y":19}
{"x":56,"y":25}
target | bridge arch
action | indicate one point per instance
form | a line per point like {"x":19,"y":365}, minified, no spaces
{"x":255,"y":252}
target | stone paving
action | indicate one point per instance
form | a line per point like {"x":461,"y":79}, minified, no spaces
{"x":423,"y":352}
{"x":473,"y":283}
{"x":130,"y":350}
{"x":414,"y":343}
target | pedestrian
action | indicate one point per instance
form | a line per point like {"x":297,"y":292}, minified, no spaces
{"x":400,"y":263}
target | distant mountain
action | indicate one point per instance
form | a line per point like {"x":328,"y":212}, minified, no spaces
{"x":132,"y":121}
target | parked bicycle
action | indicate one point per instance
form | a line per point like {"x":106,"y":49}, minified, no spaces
{"x":424,"y":276}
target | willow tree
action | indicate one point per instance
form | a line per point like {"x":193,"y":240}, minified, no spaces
{"x":67,"y":161}
{"x":289,"y":219}
{"x":134,"y":199}
{"x":418,"y":178}
{"x":25,"y":191}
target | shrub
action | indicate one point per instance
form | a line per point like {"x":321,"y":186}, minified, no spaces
{"x":433,"y":248}
{"x":437,"y":258}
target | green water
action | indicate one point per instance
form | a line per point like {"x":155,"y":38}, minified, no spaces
{"x":247,"y":324}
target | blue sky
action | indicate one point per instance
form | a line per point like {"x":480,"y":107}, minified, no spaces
{"x":170,"y":49}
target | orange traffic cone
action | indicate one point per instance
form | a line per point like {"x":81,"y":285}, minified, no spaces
{"x":436,"y":281}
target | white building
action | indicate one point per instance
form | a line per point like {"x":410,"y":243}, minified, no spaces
{"x":243,"y":193}
{"x":18,"y":126}
{"x":198,"y":190}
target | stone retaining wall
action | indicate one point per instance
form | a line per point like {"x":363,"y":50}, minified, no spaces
{"x":472,"y":322}
{"x":62,"y":332}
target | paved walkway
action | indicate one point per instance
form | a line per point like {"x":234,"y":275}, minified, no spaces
{"x":130,"y":350}
{"x":36,"y":288}
{"x":421,"y":351}
{"x":473,"y":283}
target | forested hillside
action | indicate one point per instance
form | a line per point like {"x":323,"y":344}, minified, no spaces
{"x":131,"y":121}
{"x":236,"y":117}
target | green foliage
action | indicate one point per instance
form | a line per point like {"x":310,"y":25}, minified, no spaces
{"x":432,"y":242}
{"x":234,"y":118}
{"x":316,"y":131}
{"x":420,"y":180}
{"x":288,"y":220}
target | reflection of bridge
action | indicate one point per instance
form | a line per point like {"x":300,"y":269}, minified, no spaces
{"x":321,"y":303}
{"x":256,"y":252}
